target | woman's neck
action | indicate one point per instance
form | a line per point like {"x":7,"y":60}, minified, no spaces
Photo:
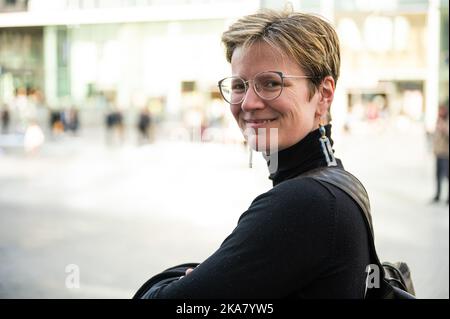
{"x":301,"y":157}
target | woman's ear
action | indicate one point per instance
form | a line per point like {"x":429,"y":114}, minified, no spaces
{"x":326,"y":91}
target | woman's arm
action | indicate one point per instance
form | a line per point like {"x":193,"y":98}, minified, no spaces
{"x":279,"y":246}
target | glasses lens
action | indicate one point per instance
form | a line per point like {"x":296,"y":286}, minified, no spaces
{"x":268,"y":85}
{"x":233,"y":89}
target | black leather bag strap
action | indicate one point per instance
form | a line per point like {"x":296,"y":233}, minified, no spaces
{"x":350,"y":185}
{"x":347,"y":183}
{"x":354,"y":188}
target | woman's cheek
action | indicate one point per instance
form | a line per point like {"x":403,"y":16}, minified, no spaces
{"x":235,"y":110}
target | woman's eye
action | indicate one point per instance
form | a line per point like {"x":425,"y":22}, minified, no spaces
{"x":238,"y":87}
{"x":272,"y":84}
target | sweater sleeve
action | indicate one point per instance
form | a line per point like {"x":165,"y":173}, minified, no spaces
{"x":279,"y":246}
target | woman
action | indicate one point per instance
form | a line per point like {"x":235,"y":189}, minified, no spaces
{"x":440,"y":150}
{"x":303,"y":238}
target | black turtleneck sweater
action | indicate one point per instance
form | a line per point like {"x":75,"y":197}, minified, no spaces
{"x":301,"y":239}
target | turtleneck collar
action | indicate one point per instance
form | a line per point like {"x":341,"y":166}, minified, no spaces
{"x":301,"y":157}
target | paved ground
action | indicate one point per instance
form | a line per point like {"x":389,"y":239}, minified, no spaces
{"x":121,"y":214}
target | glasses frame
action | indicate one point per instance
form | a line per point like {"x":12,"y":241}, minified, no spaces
{"x":246,"y":83}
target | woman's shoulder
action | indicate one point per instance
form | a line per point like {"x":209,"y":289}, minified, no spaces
{"x":294,"y":206}
{"x":304,"y":192}
{"x":302,"y":188}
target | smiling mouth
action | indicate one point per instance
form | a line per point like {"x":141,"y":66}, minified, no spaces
{"x":258,"y":121}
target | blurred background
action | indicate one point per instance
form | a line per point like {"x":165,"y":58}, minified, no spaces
{"x":118,"y":157}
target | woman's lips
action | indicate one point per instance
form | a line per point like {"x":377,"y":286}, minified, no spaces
{"x":258,"y":123}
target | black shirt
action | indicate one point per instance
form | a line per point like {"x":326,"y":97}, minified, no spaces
{"x":301,"y":239}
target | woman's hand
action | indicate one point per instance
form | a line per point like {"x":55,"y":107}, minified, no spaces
{"x":188,"y":271}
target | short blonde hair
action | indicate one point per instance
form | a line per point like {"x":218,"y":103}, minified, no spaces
{"x":307,"y":38}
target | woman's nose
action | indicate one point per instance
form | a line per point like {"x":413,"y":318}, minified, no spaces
{"x":252,"y":101}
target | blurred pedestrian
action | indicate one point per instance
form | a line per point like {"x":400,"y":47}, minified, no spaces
{"x":5,"y":118}
{"x":56,"y":122}
{"x":119,"y":126}
{"x":114,"y":127}
{"x":144,"y":125}
{"x":440,"y":149}
{"x":70,"y":120}
{"x":303,"y":238}
{"x":34,"y":138}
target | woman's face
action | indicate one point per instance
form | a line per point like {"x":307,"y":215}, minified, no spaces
{"x":292,"y":113}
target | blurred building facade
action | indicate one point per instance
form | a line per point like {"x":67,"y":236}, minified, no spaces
{"x":167,"y":55}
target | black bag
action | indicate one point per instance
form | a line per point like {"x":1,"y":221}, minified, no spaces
{"x":396,"y":282}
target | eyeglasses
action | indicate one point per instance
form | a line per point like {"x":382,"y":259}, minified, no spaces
{"x":267,"y":85}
